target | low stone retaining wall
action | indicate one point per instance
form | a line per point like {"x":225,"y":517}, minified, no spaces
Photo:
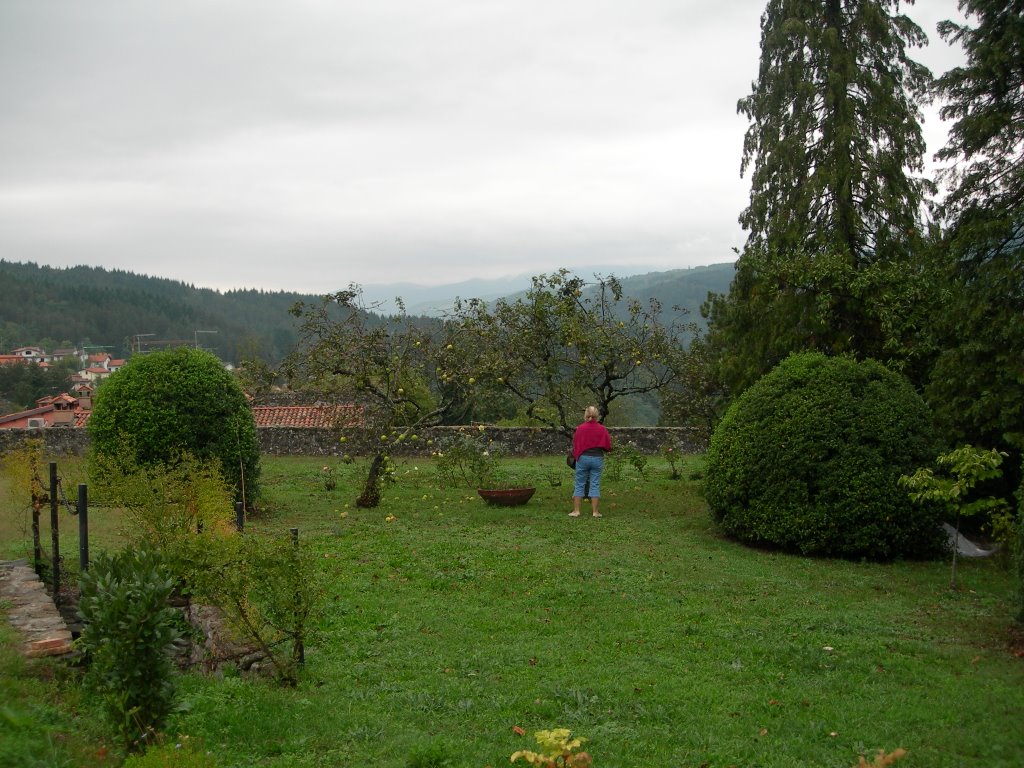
{"x":59,"y":441}
{"x":294,"y":441}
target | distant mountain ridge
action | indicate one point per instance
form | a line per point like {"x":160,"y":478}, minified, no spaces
{"x":687,"y":287}
{"x":117,"y":310}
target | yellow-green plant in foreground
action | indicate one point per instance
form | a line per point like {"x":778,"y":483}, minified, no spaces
{"x":558,"y":748}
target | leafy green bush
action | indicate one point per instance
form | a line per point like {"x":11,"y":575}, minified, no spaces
{"x":269,"y":590}
{"x":128,"y":635}
{"x":163,"y":404}
{"x":177,"y":510}
{"x":808,"y":459}
{"x":625,"y":454}
{"x":468,"y":458}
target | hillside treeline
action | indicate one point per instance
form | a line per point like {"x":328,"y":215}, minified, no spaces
{"x":108,"y":309}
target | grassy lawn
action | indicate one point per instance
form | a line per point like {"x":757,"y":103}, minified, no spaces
{"x":663,"y":644}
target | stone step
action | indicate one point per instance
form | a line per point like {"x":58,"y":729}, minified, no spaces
{"x":32,"y":613}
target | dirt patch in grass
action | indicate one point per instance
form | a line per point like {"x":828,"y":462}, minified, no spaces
{"x":1016,"y":633}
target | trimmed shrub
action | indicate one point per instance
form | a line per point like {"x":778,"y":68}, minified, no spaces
{"x":808,"y":460}
{"x":164,"y":404}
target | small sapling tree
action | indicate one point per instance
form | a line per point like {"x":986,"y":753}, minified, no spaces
{"x":963,"y":469}
{"x":269,"y":590}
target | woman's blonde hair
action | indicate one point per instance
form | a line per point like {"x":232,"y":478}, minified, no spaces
{"x":591,"y":414}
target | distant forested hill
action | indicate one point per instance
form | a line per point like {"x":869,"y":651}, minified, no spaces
{"x":76,"y":306}
{"x":94,"y":306}
{"x":687,"y":288}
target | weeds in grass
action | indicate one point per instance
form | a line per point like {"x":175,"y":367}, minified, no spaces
{"x":180,"y":752}
{"x":435,"y":754}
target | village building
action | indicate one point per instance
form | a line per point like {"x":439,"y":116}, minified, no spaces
{"x":31,"y":354}
{"x":62,"y":410}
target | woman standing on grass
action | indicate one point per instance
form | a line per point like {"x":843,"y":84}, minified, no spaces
{"x":589,"y":445}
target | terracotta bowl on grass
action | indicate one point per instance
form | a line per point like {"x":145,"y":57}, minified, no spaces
{"x":506,"y":497}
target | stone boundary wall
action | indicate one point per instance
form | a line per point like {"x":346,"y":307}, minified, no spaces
{"x":293,"y":441}
{"x":59,"y":441}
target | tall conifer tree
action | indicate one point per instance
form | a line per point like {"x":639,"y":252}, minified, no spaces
{"x":978,"y":381}
{"x":834,"y":214}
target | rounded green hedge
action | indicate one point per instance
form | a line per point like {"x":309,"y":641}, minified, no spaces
{"x":809,"y":457}
{"x":182,"y":400}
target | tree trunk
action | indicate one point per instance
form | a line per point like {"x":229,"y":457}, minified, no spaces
{"x":371,"y":491}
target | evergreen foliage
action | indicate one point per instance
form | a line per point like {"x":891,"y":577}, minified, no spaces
{"x":833,"y":219}
{"x":977,"y":385}
{"x":808,"y":459}
{"x":1019,"y":549}
{"x":163,"y":405}
{"x":22,"y":384}
{"x":985,"y":100}
{"x":129,"y":633}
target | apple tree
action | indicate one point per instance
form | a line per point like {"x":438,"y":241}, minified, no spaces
{"x":385,"y":364}
{"x":564,"y":345}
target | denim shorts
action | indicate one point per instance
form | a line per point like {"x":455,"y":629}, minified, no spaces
{"x":589,"y":468}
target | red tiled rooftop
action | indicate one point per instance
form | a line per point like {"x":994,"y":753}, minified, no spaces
{"x":306,"y":416}
{"x":300,"y":416}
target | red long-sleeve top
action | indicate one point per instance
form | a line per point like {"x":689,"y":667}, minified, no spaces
{"x":590,"y":434}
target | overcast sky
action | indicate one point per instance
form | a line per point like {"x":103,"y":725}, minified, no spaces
{"x":306,"y":144}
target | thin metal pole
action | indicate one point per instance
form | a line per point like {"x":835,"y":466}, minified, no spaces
{"x":55,"y":532}
{"x":37,"y":545}
{"x":300,"y":645}
{"x":83,"y":527}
